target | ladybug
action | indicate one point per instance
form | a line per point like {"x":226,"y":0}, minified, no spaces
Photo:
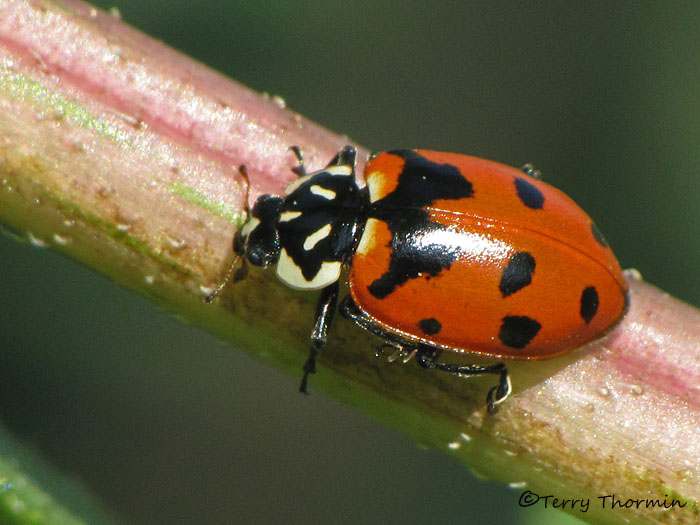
{"x":446,"y":252}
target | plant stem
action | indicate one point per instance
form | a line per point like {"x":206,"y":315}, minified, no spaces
{"x":123,"y":154}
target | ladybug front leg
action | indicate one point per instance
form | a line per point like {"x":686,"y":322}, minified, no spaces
{"x":300,"y":170}
{"x":325,"y":309}
{"x":427,"y":357}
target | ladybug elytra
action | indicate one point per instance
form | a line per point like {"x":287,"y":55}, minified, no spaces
{"x":447,"y":252}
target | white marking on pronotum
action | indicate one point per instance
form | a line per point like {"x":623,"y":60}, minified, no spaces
{"x":316,"y":237}
{"x":249,"y":226}
{"x":343,"y":169}
{"x":323,"y":192}
{"x":286,"y":216}
{"x":289,"y":273}
{"x":294,"y":185}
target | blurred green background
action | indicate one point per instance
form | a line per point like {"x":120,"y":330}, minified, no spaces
{"x":164,"y":424}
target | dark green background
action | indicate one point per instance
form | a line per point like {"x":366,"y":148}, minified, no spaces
{"x":163,"y":423}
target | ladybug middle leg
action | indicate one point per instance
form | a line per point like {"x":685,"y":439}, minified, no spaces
{"x":427,"y":356}
{"x":325,"y":309}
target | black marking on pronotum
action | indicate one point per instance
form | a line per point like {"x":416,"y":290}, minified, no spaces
{"x":317,"y":211}
{"x":518,"y":330}
{"x":430,"y":326}
{"x":529,"y":194}
{"x":589,"y":304}
{"x":518,"y":273}
{"x":598,"y":236}
{"x":420,"y":184}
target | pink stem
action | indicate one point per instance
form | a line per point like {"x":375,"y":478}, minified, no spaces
{"x":127,"y":135}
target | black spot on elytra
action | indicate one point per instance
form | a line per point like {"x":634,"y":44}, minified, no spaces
{"x":589,"y":303}
{"x":430,"y":326}
{"x":518,"y":330}
{"x":518,"y":273}
{"x":598,"y":236}
{"x":412,"y":255}
{"x":529,"y":194}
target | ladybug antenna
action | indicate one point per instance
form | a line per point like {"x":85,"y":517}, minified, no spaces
{"x":244,"y":173}
{"x":237,"y":274}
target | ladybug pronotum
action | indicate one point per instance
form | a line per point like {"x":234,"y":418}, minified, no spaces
{"x":446,"y":252}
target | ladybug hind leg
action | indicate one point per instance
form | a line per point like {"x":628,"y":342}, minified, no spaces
{"x":325,"y":308}
{"x":427,"y":357}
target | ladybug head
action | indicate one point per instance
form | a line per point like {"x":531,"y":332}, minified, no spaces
{"x":258,"y":239}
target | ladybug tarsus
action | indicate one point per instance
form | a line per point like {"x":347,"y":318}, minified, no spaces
{"x":427,"y":357}
{"x":402,"y":352}
{"x":308,"y":368}
{"x":501,"y":391}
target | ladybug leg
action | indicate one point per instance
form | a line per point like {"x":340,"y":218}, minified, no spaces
{"x":529,"y":169}
{"x":427,"y":357}
{"x":349,"y":310}
{"x":402,"y":350}
{"x":345,"y":157}
{"x":300,"y":170}
{"x":325,"y":308}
